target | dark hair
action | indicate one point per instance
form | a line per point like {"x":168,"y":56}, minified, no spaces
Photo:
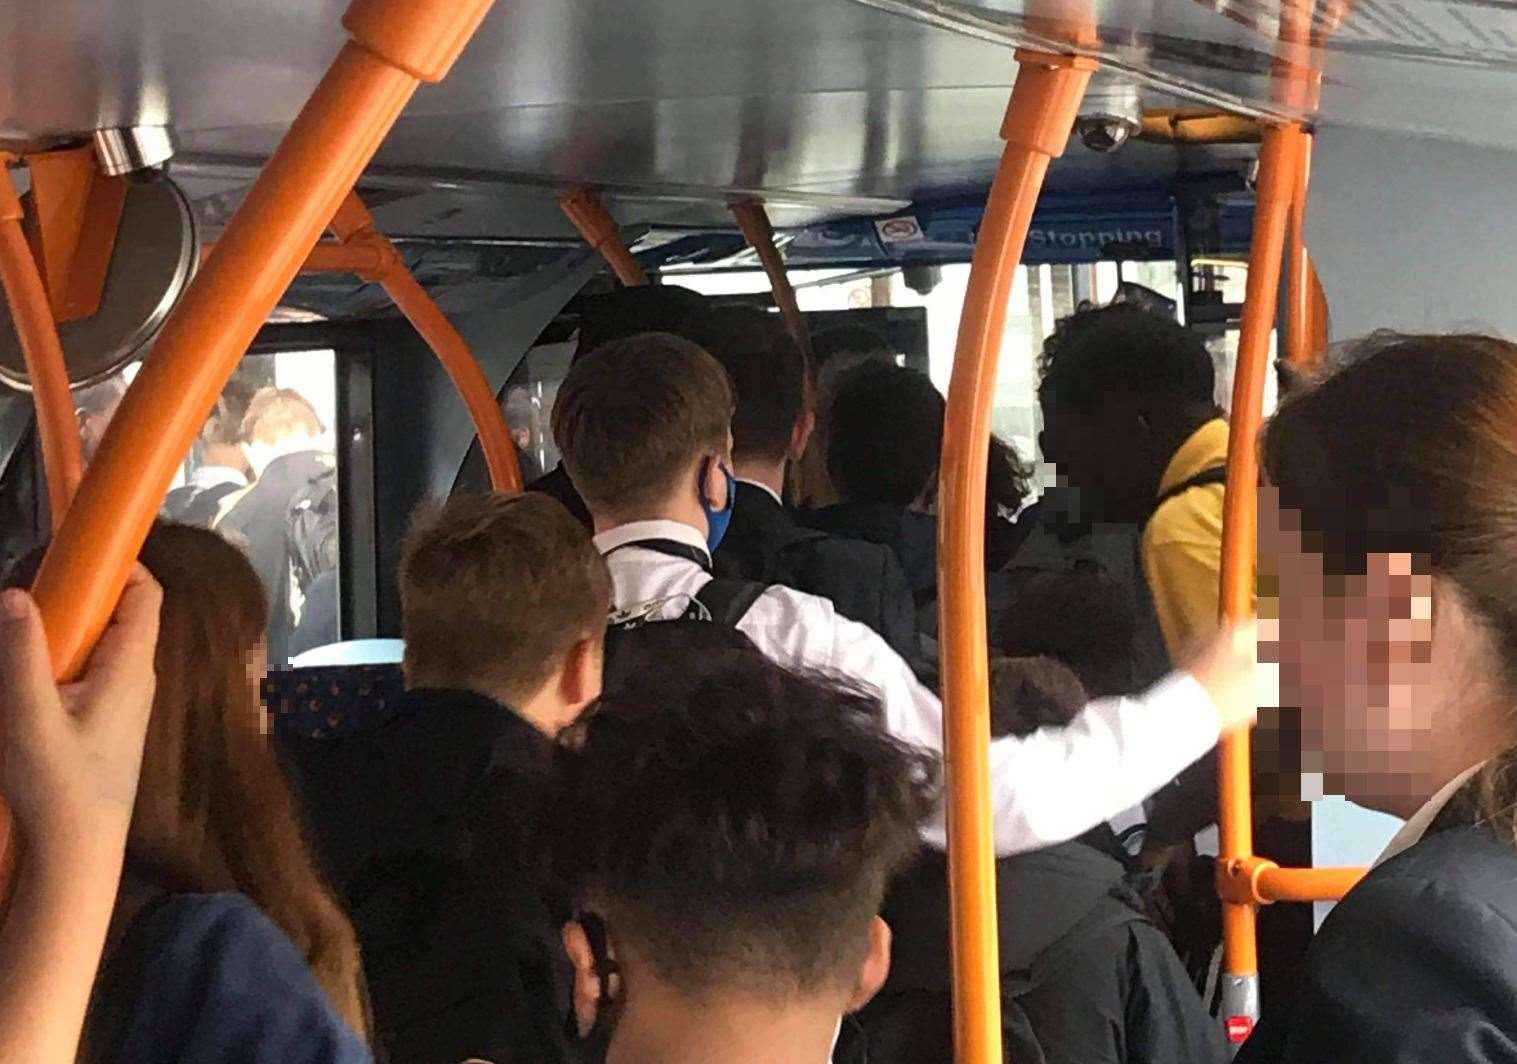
{"x":768,"y":374}
{"x":738,"y":821}
{"x":1124,"y":350}
{"x":1410,"y":447}
{"x":1084,"y":619}
{"x":626,"y":312}
{"x":632,"y":415}
{"x":496,"y":589}
{"x":848,"y":339}
{"x":1031,"y":693}
{"x":884,"y":435}
{"x":885,"y":438}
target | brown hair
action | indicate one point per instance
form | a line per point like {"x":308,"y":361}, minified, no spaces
{"x":767,"y":371}
{"x":633,"y":414}
{"x":275,"y":413}
{"x":1411,"y":447}
{"x":214,"y":811}
{"x":496,"y":589}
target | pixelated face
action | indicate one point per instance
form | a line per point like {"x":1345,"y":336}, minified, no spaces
{"x":1098,"y":450}
{"x":1355,"y":657}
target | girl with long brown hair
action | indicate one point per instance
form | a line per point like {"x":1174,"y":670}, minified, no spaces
{"x":223,"y":920}
{"x":1388,"y":539}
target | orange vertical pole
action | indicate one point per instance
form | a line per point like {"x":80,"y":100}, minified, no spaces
{"x":57,"y":427}
{"x":1037,"y":128}
{"x":601,"y":232}
{"x":352,"y":221}
{"x":753,"y":221}
{"x":1279,"y":158}
{"x":395,"y":44}
{"x":1300,"y":323}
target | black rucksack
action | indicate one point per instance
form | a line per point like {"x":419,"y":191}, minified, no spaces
{"x":311,"y":529}
{"x":723,"y":600}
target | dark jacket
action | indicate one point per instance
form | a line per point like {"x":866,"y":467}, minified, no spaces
{"x":434,"y":828}
{"x":1417,"y":965}
{"x":556,"y":482}
{"x":1085,"y":978}
{"x":913,"y":536}
{"x":200,"y":977}
{"x":260,"y":519}
{"x":862,"y":580}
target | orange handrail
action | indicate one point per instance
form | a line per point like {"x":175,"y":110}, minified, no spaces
{"x":601,"y":232}
{"x":1038,"y":120}
{"x":1301,"y":325}
{"x":1257,"y":880}
{"x":354,"y":225}
{"x":1278,"y":161}
{"x":57,"y":427}
{"x":395,"y":44}
{"x":753,"y":221}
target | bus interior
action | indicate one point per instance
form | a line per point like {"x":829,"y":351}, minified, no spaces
{"x":838,"y":160}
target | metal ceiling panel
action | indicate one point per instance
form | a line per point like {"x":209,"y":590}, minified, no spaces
{"x":828,"y":106}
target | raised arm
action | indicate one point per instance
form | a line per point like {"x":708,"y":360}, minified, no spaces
{"x":69,"y":769}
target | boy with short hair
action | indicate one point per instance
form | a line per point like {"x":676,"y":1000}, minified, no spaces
{"x":644,"y":425}
{"x":435,"y":824}
{"x":735,"y":825}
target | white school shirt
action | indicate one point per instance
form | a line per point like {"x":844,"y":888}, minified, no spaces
{"x":1046,"y":788}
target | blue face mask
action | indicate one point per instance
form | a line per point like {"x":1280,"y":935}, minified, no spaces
{"x":718,"y":520}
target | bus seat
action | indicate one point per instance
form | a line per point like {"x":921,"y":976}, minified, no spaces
{"x":320,"y":701}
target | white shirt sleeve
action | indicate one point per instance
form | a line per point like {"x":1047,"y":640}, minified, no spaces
{"x":1047,"y":787}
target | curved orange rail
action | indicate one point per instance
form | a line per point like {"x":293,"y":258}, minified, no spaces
{"x":57,"y":427}
{"x":395,"y":43}
{"x":1301,"y":324}
{"x":1278,"y":159}
{"x":753,"y":221}
{"x":353,"y":223}
{"x":1038,"y":120}
{"x":601,"y":232}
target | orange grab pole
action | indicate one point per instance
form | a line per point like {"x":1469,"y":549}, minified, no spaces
{"x":1305,"y":884}
{"x":57,"y":428}
{"x":353,"y":222}
{"x":753,"y":221}
{"x":1278,"y":159}
{"x":1301,"y":325}
{"x":601,"y":232}
{"x":1037,"y":126}
{"x":338,"y":258}
{"x":396,"y":44}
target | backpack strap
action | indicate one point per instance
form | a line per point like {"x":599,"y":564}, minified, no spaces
{"x":728,"y":600}
{"x":1211,"y":475}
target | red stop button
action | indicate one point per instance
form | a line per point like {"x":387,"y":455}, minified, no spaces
{"x":1239,"y":1028}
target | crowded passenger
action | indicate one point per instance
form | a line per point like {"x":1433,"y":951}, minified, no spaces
{"x":1086,"y":978}
{"x":644,"y":425}
{"x":1389,"y":534}
{"x":435,"y":822}
{"x":887,"y":480}
{"x":94,"y":407}
{"x":771,"y":426}
{"x":224,"y":943}
{"x":615,"y":316}
{"x":1131,"y":421}
{"x":733,"y":826}
{"x":287,"y":451}
{"x":835,"y":353}
{"x":73,"y":757}
{"x":221,"y":465}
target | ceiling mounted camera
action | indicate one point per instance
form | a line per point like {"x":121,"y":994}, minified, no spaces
{"x":1111,"y":114}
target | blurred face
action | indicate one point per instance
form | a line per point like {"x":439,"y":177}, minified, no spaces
{"x":1099,"y":450}
{"x":1357,"y":656}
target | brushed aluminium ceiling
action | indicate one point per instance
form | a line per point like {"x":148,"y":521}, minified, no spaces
{"x":824,"y":106}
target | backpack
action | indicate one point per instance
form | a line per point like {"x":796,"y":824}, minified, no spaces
{"x":189,"y":505}
{"x":311,"y":543}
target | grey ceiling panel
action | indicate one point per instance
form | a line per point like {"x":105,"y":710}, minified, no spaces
{"x":831,"y":106}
